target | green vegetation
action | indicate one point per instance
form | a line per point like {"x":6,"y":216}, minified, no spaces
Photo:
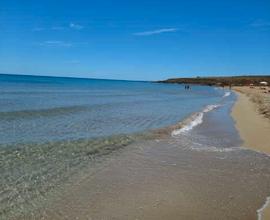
{"x":221,"y":81}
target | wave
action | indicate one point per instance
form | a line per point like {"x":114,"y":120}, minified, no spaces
{"x":226,"y":94}
{"x":260,"y":211}
{"x":216,"y":149}
{"x":194,"y":120}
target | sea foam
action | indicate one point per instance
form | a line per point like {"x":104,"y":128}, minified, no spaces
{"x":194,"y":120}
{"x":260,"y":211}
{"x":226,"y":94}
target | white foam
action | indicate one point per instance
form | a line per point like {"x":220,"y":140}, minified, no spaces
{"x":260,"y":211}
{"x":209,"y":108}
{"x":215,"y":149}
{"x":194,"y":120}
{"x":227,"y":94}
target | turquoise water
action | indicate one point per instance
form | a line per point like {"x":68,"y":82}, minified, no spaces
{"x":41,"y":109}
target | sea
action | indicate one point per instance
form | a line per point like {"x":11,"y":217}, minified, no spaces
{"x":55,"y":130}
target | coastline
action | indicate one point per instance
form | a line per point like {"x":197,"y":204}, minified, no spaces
{"x":194,"y":169}
{"x":167,"y":177}
{"x":253,"y":127}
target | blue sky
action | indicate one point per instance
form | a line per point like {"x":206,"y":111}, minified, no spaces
{"x":144,"y":40}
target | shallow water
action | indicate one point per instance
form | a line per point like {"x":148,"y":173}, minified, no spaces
{"x":194,"y":175}
{"x":45,"y":109}
{"x":92,"y":149}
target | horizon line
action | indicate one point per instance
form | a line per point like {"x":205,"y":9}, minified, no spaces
{"x":74,"y":77}
{"x":93,"y":78}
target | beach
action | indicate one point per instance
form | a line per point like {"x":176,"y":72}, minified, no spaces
{"x":135,"y":110}
{"x":251,"y":114}
{"x":103,"y":149}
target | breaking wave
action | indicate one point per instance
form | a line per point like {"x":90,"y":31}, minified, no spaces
{"x":193,"y":120}
{"x":260,"y":211}
{"x":215,"y":149}
{"x":226,"y":94}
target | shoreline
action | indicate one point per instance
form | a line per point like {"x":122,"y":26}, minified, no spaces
{"x":253,"y":128}
{"x":161,"y":176}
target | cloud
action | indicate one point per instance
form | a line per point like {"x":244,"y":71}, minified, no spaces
{"x":60,"y":28}
{"x":53,"y":43}
{"x":154,"y":32}
{"x":58,"y":43}
{"x":75,"y":26}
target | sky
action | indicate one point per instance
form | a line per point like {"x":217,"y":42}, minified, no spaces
{"x":135,"y":40}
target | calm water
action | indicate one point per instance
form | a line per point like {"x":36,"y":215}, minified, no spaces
{"x":62,"y":140}
{"x":41,"y":109}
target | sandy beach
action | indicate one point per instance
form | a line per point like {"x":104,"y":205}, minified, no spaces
{"x":251,"y":114}
{"x":135,"y":110}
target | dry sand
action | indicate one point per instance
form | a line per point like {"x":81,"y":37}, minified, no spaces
{"x":251,"y":113}
{"x":252,"y":116}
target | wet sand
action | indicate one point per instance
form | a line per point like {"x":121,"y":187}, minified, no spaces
{"x":168,"y":178}
{"x":251,"y":113}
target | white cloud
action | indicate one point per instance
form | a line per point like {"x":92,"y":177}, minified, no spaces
{"x":75,"y":26}
{"x":60,"y":28}
{"x":54,"y":43}
{"x":158,"y":31}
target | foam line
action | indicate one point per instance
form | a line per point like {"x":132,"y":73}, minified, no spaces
{"x":194,"y":120}
{"x":260,"y":211}
{"x":226,"y":94}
